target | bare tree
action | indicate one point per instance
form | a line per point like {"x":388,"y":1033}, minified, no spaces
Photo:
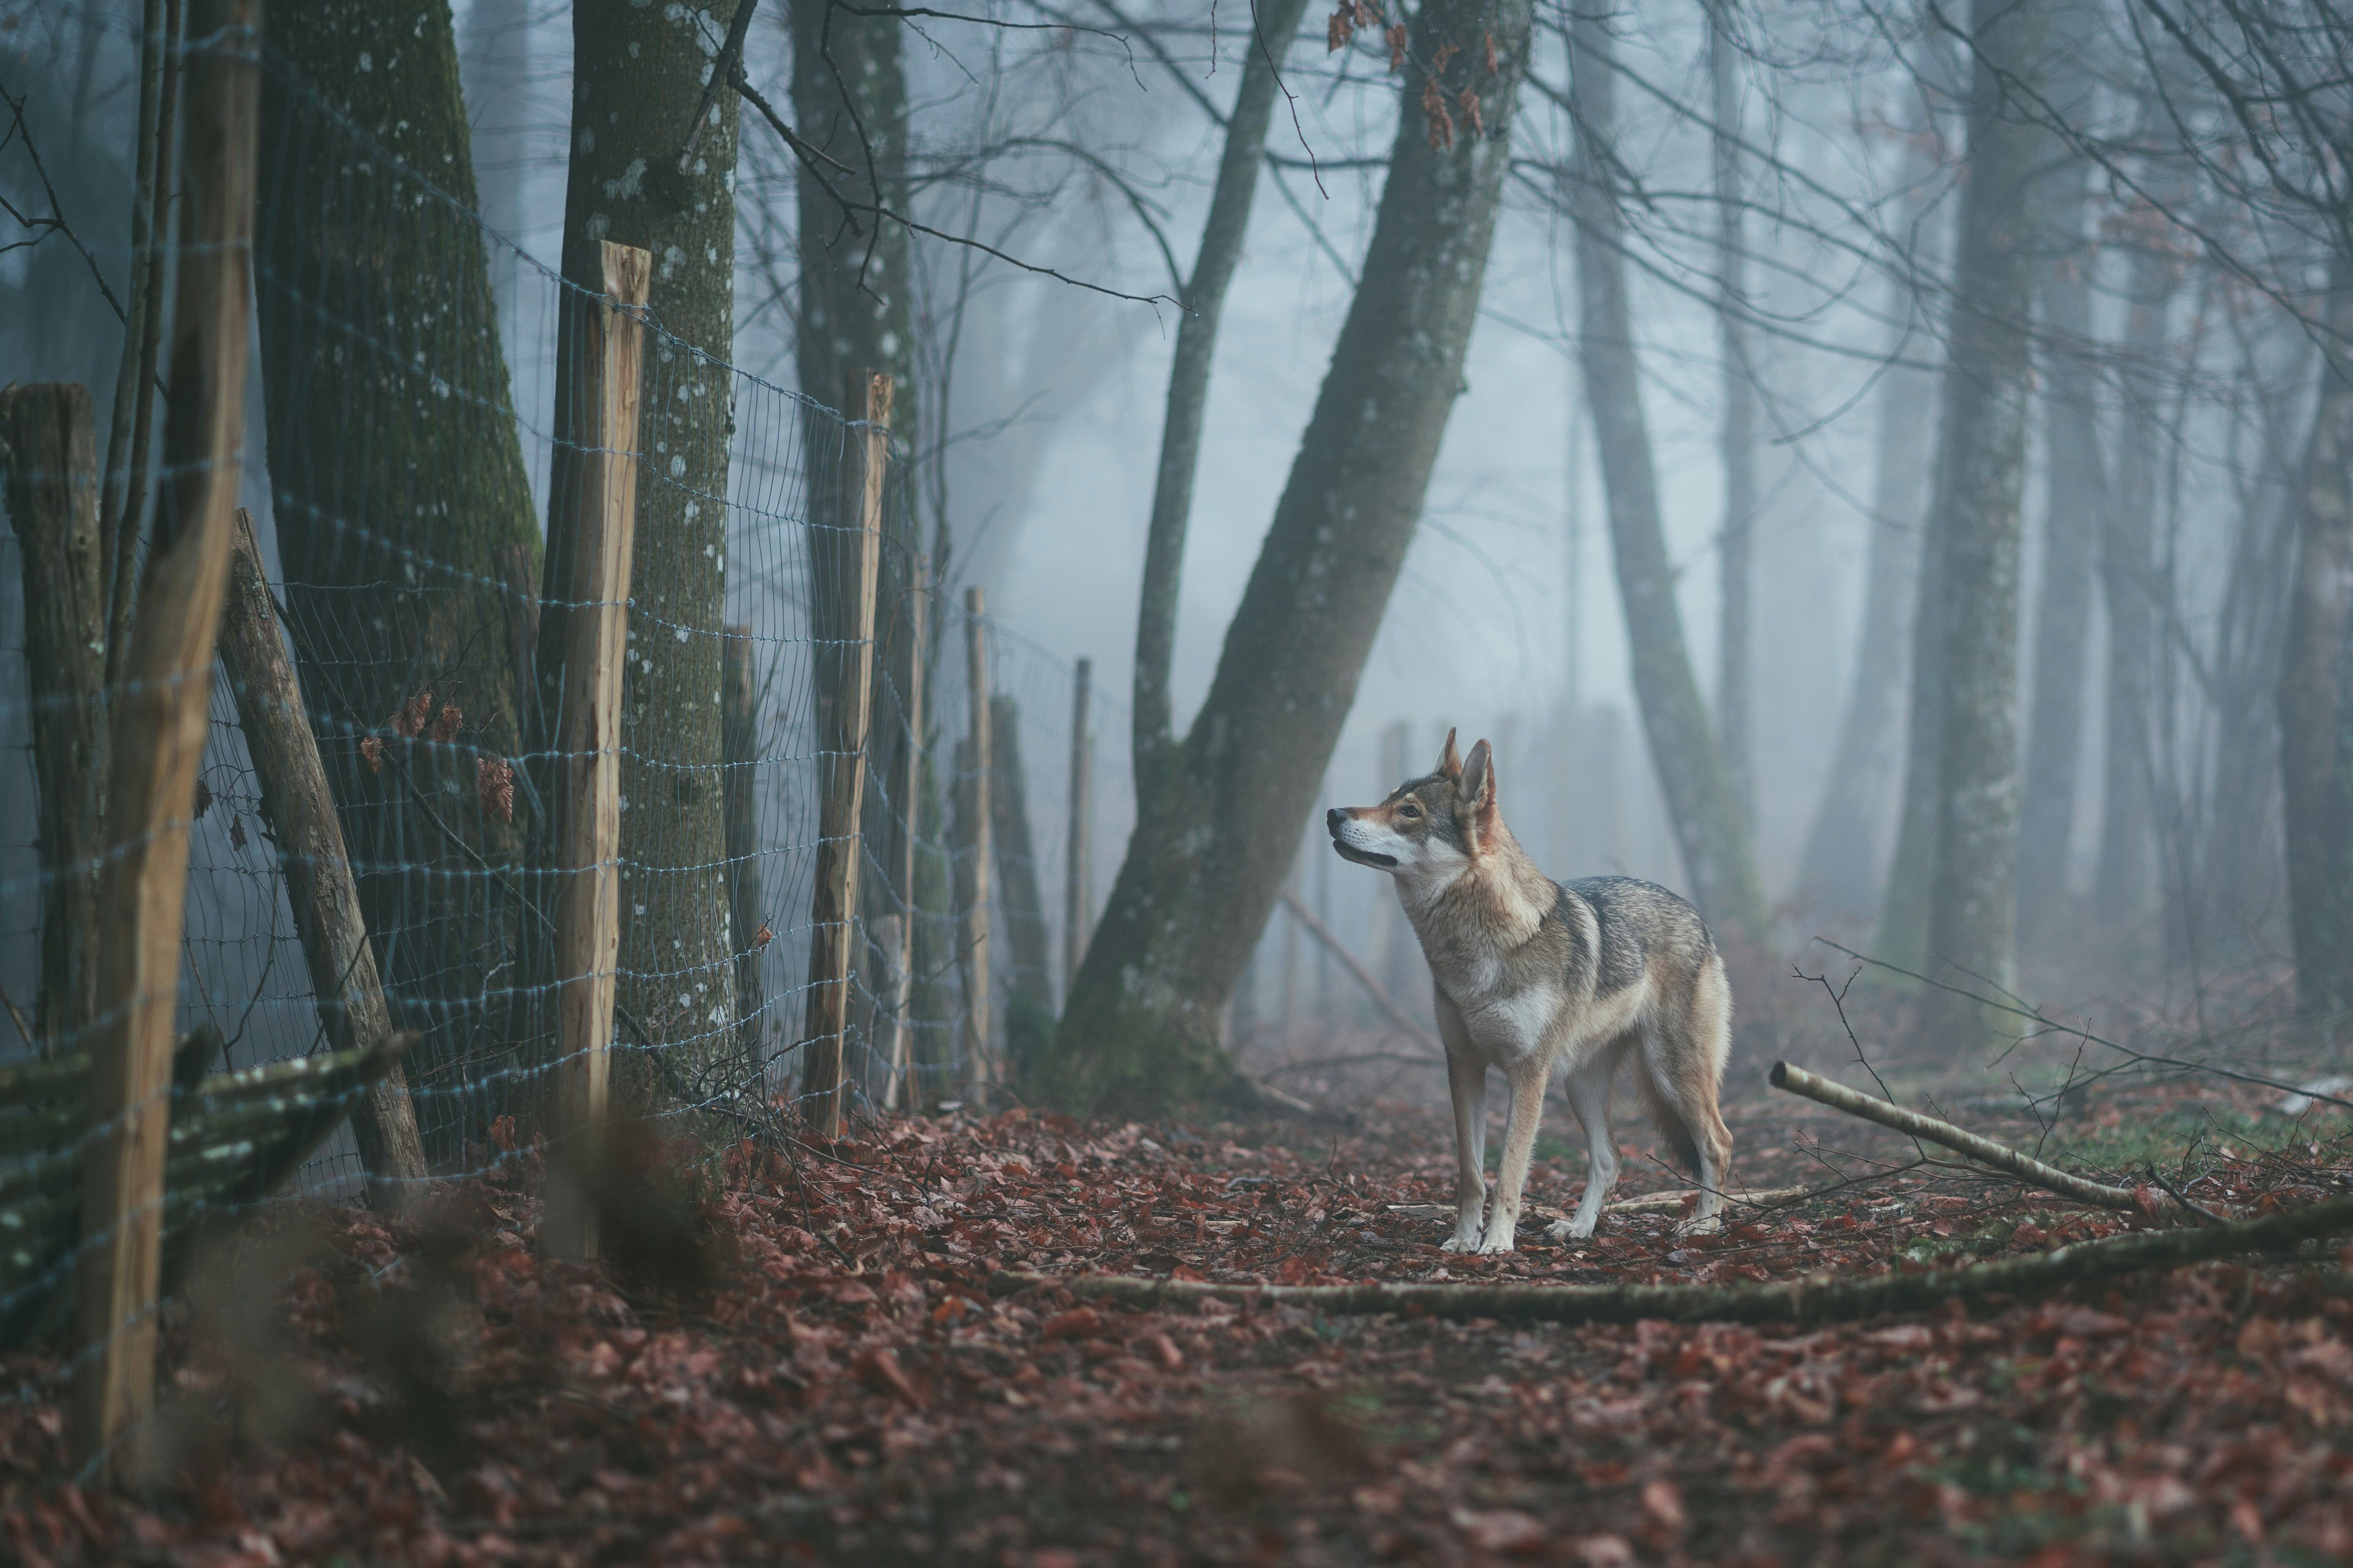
{"x":1973,"y":518}
{"x":1142,"y":1023}
{"x":653,"y":165}
{"x":1701,"y":801}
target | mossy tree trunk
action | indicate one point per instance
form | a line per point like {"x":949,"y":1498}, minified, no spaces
{"x":395,"y":474}
{"x":1220,"y":822}
{"x":637,"y":81}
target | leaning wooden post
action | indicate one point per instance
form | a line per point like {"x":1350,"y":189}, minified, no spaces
{"x":49,"y":457}
{"x":906,"y":792}
{"x":739,"y":733}
{"x":588,"y":740}
{"x":974,"y":948}
{"x":158,"y":741}
{"x":325,"y":902}
{"x":843,"y":716}
{"x":1077,"y":918}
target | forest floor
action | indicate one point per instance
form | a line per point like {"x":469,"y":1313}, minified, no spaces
{"x":797,"y":1354}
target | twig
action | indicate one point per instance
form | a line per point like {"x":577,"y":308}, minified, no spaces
{"x":1362,"y":976}
{"x":2183,"y":1198}
{"x":1985,"y":1151}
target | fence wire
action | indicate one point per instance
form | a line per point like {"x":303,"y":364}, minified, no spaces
{"x":408,"y":481}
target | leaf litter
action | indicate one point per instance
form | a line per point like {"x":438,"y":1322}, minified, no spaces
{"x":835,"y":1377}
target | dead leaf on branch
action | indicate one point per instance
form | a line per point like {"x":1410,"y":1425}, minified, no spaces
{"x":1396,"y":40}
{"x":494,"y":787}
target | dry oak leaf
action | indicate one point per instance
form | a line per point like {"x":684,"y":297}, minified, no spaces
{"x":494,"y":786}
{"x":372,"y":751}
{"x":1500,"y":1529}
{"x":1470,"y":101}
{"x":1442,"y":124}
{"x":410,"y":721}
{"x":1493,"y":68}
{"x":445,"y":727}
{"x":1395,"y":37}
{"x":882,"y":1373}
{"x":1339,"y":29}
{"x":1072,"y":1324}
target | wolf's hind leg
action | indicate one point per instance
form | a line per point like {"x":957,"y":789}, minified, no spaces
{"x":1683,"y":1063}
{"x":1466,"y":1079}
{"x":1588,"y":1098}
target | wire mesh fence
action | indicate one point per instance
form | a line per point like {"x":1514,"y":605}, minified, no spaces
{"x":425,"y":447}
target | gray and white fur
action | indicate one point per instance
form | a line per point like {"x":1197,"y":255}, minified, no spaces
{"x":1535,"y":977}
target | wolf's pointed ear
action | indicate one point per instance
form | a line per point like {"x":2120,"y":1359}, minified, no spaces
{"x":1449,"y":761}
{"x":1478,"y":785}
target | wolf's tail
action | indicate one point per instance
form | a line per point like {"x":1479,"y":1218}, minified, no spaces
{"x":1677,"y":1133}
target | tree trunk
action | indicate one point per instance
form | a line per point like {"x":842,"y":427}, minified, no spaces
{"x":1188,"y":382}
{"x":2315,"y":689}
{"x":2123,"y":875}
{"x":1141,"y":1028}
{"x":301,"y":812}
{"x":856,"y":313}
{"x":637,"y":79}
{"x":1840,"y":871}
{"x":1029,"y":1003}
{"x":396,"y":474}
{"x":1733,"y":687}
{"x":1980,"y":466}
{"x":48,"y":457}
{"x":2076,"y":514}
{"x":1706,"y":811}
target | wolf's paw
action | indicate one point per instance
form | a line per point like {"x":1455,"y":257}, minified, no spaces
{"x":1460,"y":1241}
{"x":1709,"y":1225}
{"x":1494,"y":1244}
{"x":1567,"y":1230}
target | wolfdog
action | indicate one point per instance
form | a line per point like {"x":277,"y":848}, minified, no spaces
{"x":1533,"y":976}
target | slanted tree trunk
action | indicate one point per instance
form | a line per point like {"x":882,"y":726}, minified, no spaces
{"x":49,"y":457}
{"x":2315,"y":687}
{"x":1840,"y":871}
{"x":1980,"y":466}
{"x":320,"y":892}
{"x":1155,"y":739}
{"x":637,"y":81}
{"x":1733,"y":685}
{"x":2075,"y":512}
{"x":396,"y":474}
{"x":2123,"y":876}
{"x":1701,"y":801}
{"x":1222,"y":820}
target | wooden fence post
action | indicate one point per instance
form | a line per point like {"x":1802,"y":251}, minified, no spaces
{"x":1029,"y":940}
{"x":588,"y":740}
{"x":974,"y":948}
{"x":843,"y":717}
{"x":906,"y":793}
{"x":739,"y":730}
{"x":158,"y":742}
{"x":325,"y":904}
{"x":48,"y":456}
{"x":1078,"y":919}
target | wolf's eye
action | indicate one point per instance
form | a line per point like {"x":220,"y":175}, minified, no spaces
{"x":1408,"y":811}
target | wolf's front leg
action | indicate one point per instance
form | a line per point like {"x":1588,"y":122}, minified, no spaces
{"x":1527,"y":1081}
{"x":1466,"y":1079}
{"x":1589,"y":1098}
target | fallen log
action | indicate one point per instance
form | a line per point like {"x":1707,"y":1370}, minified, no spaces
{"x":1984,"y":1150}
{"x":1649,"y":1203}
{"x":1817,"y":1299}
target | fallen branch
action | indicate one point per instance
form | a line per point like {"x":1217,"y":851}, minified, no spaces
{"x":1650,"y":1203}
{"x":1362,"y":976}
{"x":1817,"y":1299}
{"x":1984,"y":1150}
